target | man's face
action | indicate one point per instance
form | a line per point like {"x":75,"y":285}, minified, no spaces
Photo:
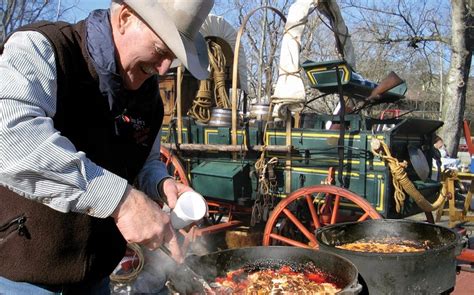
{"x":439,"y":144}
{"x":140,"y":52}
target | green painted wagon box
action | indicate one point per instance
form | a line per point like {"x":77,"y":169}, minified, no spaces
{"x":222,"y":180}
{"x":323,"y":76}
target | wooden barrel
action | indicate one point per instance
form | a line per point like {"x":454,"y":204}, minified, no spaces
{"x":259,"y":111}
{"x":220,"y":117}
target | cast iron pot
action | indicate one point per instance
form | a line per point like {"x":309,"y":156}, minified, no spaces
{"x":432,"y":271}
{"x":219,"y":263}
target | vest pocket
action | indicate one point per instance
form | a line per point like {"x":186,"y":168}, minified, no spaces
{"x":14,"y":226}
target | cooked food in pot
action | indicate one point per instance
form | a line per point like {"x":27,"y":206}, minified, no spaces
{"x":387,"y":245}
{"x":284,"y":280}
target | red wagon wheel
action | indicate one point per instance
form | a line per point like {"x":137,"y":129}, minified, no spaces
{"x":296,"y":217}
{"x":174,"y":166}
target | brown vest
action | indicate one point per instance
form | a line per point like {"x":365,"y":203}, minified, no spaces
{"x":43,"y":246}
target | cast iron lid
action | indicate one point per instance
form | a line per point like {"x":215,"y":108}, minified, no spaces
{"x":419,"y":162}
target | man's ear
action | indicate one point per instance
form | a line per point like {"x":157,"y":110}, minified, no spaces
{"x":125,"y":18}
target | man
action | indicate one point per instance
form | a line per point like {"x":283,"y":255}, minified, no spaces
{"x":79,"y":116}
{"x":441,"y":159}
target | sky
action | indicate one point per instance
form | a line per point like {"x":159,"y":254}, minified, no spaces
{"x":83,"y":7}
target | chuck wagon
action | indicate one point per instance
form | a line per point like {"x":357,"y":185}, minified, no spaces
{"x":294,"y":175}
{"x":307,"y":179}
{"x":300,"y":177}
{"x":295,"y":180}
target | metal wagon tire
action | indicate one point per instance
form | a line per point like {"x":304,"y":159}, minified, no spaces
{"x":294,"y":220}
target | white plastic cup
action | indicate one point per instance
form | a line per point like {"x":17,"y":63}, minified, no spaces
{"x":190,"y":207}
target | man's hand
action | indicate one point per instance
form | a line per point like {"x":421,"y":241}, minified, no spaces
{"x":172,"y":190}
{"x":141,"y":220}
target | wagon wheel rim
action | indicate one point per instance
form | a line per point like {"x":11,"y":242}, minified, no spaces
{"x":174,"y":166}
{"x":336,"y":200}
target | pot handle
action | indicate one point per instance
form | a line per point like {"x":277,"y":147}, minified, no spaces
{"x":461,"y":244}
{"x":352,"y":290}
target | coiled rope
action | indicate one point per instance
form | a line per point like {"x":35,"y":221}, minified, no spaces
{"x":133,"y":274}
{"x":401,"y":182}
{"x":201,"y":108}
{"x":218,"y":62}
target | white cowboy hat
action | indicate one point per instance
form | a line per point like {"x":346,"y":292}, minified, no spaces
{"x":177,"y":23}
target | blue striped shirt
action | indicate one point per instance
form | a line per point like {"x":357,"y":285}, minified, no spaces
{"x":35,"y":160}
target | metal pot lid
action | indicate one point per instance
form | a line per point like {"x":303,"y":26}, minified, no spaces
{"x":419,"y":162}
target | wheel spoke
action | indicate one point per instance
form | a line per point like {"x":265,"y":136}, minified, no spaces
{"x":314,"y":215}
{"x":168,"y":161}
{"x":288,"y":241}
{"x":304,"y":222}
{"x":173,"y":166}
{"x":310,"y":236}
{"x":335,"y":209}
{"x":364,"y":217}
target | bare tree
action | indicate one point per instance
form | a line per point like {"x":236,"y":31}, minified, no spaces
{"x":414,"y":37}
{"x":16,"y":13}
{"x":461,"y":44}
{"x":399,"y":33}
{"x":261,"y":44}
{"x":411,"y":37}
